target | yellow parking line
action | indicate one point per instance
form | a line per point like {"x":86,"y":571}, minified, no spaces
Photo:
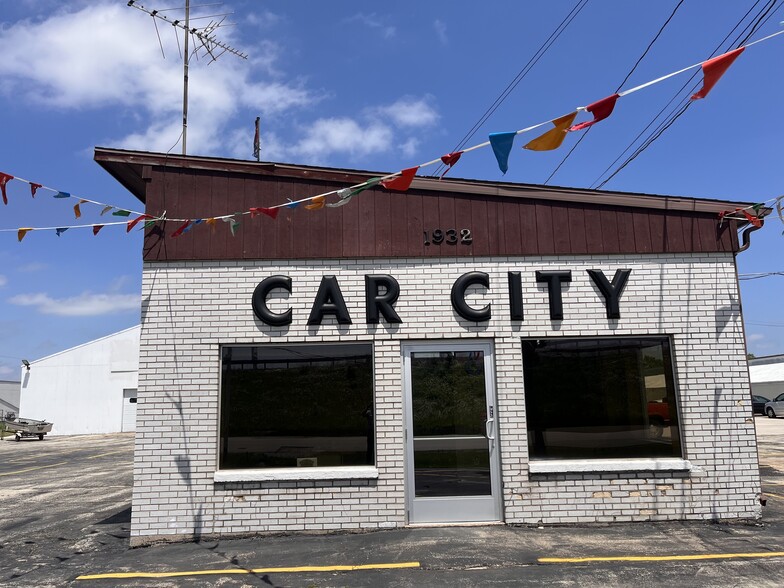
{"x":110,"y":453}
{"x":35,"y":468}
{"x":771,"y":494}
{"x":293,"y":570}
{"x":658,"y":557}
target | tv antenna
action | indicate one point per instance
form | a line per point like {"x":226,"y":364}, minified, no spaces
{"x":204,"y":35}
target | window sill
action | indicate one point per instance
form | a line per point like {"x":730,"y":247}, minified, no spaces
{"x":577,"y":466}
{"x":297,"y":474}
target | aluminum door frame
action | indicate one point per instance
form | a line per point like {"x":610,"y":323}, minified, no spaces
{"x":443,"y":508}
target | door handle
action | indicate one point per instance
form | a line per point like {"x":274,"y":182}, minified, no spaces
{"x":488,"y":428}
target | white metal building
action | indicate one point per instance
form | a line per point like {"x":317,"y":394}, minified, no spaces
{"x":88,"y":389}
{"x":9,"y":397}
{"x":767,"y":375}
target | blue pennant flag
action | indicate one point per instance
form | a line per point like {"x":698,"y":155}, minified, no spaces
{"x":502,"y":145}
{"x":62,"y":195}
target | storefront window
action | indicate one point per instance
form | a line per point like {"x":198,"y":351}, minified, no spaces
{"x":297,"y":406}
{"x":600,"y":398}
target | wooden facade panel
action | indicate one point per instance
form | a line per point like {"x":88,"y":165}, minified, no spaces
{"x":379,"y":223}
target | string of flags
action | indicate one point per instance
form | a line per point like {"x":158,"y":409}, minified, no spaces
{"x":501,"y":144}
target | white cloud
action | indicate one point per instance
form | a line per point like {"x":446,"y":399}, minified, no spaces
{"x":7,"y":371}
{"x":3,"y":280}
{"x":343,"y":135}
{"x":756,"y":337}
{"x":440,"y":28}
{"x":106,"y":55}
{"x":33,"y":266}
{"x":410,"y":112}
{"x":85,"y":304}
{"x":409,"y":147}
{"x":373,"y":21}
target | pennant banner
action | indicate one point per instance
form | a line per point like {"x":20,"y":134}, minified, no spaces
{"x":60,"y":231}
{"x":62,"y":195}
{"x":136,"y":221}
{"x":402,"y":182}
{"x":4,"y":179}
{"x":553,"y":138}
{"x":181,"y":229}
{"x":713,"y":69}
{"x":316,"y":203}
{"x":77,"y":210}
{"x":270,"y":212}
{"x":600,"y":110}
{"x":34,"y":188}
{"x":502,"y":146}
{"x":449,"y":160}
{"x":20,"y":234}
{"x":97,"y":229}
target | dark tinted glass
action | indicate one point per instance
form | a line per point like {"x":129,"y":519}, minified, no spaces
{"x":297,"y":406}
{"x":600,"y":398}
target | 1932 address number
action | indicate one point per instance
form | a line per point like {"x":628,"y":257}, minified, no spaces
{"x":448,"y":236}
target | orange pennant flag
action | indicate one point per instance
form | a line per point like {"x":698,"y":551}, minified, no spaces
{"x":402,"y":182}
{"x":553,"y":138}
{"x":77,"y":210}
{"x":316,"y":203}
{"x":21,"y":233}
{"x":713,"y":69}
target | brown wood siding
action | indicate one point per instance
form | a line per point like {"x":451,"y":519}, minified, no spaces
{"x":380,"y":223}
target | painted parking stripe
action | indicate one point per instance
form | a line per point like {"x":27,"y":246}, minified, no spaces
{"x":15,"y":472}
{"x":630,"y":558}
{"x":292,"y":570}
{"x":129,"y":450}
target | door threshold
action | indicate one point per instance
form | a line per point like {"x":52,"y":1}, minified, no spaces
{"x":456,"y":524}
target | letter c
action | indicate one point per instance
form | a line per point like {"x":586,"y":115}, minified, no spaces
{"x":458,"y":296}
{"x":259,"y":301}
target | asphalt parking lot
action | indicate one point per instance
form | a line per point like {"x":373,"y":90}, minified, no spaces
{"x":65,"y":505}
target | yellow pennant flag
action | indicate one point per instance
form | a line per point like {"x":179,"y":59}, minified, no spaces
{"x":553,"y":138}
{"x":211,"y":222}
{"x":316,"y":203}
{"x":77,"y":210}
{"x":21,"y":233}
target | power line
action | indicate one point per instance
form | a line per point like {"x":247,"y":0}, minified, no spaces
{"x":628,"y":75}
{"x":543,"y":48}
{"x":758,"y":21}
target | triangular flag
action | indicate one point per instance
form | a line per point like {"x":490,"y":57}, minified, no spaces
{"x":292,"y":205}
{"x":149,"y":223}
{"x":106,"y":209}
{"x":211,"y":222}
{"x":752,"y":219}
{"x":449,"y":160}
{"x":181,"y":229}
{"x":20,"y":234}
{"x":600,"y":110}
{"x":62,"y":195}
{"x":270,"y":212}
{"x":402,"y":182}
{"x":77,"y":210}
{"x":316,"y":203}
{"x":96,"y":229}
{"x":4,"y":179}
{"x":502,"y":145}
{"x":135,"y":222}
{"x":121,"y":213}
{"x":553,"y":138}
{"x":344,"y":196}
{"x":59,"y":232}
{"x":365,"y":186}
{"x":713,"y":69}
{"x":233,"y":224}
{"x":34,"y":187}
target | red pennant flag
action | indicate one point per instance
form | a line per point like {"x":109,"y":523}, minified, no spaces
{"x":181,"y":229}
{"x":600,"y":110}
{"x":752,"y":219}
{"x":4,"y":179}
{"x":136,"y":221}
{"x":713,"y":69}
{"x":96,"y":229}
{"x":402,"y":182}
{"x":270,"y":212}
{"x":449,"y":160}
{"x":34,"y":187}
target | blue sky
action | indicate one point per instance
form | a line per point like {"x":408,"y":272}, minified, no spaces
{"x":359,"y":85}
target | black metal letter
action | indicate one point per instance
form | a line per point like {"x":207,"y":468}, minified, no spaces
{"x":515,"y":296}
{"x":554,"y":281}
{"x":611,"y":292}
{"x":458,"y":296}
{"x":375,"y":302}
{"x":259,"y":301}
{"x":329,"y":300}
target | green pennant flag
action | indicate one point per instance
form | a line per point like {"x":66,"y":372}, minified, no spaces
{"x":121,"y":213}
{"x":369,"y":184}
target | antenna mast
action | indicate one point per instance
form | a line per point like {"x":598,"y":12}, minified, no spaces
{"x":208,"y":42}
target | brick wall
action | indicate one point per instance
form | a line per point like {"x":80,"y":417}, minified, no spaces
{"x":191,"y":308}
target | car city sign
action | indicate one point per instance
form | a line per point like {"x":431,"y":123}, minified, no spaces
{"x":382,"y":291}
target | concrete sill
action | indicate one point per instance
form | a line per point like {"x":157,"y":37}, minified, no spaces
{"x":297,"y":474}
{"x":579,"y":466}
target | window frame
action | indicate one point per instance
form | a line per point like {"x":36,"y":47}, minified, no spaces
{"x":356,"y":472}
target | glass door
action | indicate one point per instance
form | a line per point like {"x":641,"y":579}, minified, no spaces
{"x":452,"y":472}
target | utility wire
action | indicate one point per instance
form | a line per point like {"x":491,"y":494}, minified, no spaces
{"x":543,"y":48}
{"x":628,"y":75}
{"x":757,"y":22}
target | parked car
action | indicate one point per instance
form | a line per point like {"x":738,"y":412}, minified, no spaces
{"x":775,"y":406}
{"x":758,"y":404}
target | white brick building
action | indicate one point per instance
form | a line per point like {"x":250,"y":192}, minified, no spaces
{"x":369,"y":377}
